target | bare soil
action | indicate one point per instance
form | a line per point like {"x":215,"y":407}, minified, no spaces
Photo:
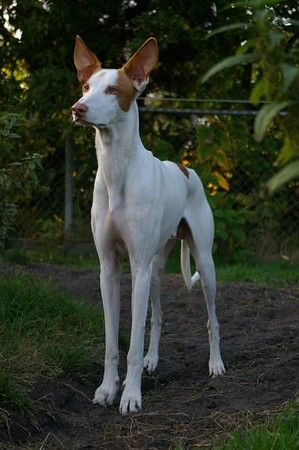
{"x":180,"y":402}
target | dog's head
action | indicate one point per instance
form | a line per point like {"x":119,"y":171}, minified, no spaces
{"x":108,"y":93}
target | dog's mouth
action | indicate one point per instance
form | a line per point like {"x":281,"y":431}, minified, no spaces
{"x":80,"y":121}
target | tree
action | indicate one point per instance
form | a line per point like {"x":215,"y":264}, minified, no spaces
{"x":270,"y":44}
{"x":39,"y":82}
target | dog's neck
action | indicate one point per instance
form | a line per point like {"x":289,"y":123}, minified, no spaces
{"x":116,"y":147}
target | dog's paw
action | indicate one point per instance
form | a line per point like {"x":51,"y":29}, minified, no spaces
{"x":106,"y":393}
{"x":216,"y":367}
{"x":131,"y":400}
{"x":150,"y":362}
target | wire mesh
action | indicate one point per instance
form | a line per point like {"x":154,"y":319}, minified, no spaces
{"x":269,"y":225}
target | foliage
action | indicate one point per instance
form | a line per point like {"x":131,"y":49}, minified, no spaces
{"x":231,"y":166}
{"x":39,"y":82}
{"x":270,"y":44}
{"x":18,"y":178}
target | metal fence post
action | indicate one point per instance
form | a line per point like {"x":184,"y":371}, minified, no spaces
{"x":68,"y":186}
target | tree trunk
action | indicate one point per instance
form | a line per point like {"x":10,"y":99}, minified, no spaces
{"x":68,"y":186}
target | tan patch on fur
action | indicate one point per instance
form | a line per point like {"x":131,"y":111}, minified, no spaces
{"x":126,"y":91}
{"x":183,"y":169}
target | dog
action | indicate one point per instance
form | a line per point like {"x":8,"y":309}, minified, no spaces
{"x":142,"y":205}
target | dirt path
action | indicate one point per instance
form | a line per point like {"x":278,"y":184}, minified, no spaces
{"x":180,"y":401}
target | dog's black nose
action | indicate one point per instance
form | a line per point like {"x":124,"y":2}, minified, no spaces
{"x":79,"y":109}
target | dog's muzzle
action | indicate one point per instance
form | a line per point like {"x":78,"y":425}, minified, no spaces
{"x":79,"y":109}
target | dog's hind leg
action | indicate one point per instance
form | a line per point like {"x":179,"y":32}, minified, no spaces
{"x":157,"y":269}
{"x":200,"y":240}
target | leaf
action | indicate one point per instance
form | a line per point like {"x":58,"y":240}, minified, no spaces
{"x":250,"y":43}
{"x":15,"y":164}
{"x":239,"y":234}
{"x":206,"y":151}
{"x":294,"y":22}
{"x":275,"y":38}
{"x":221,"y":181}
{"x":254,"y":3}
{"x":163,"y":147}
{"x":228,"y":62}
{"x":222,"y":160}
{"x":258,"y":91}
{"x":290,"y":73}
{"x":265,"y":115}
{"x":285,"y":175}
{"x":232,"y":26}
{"x":220,"y":231}
{"x":286,"y":152}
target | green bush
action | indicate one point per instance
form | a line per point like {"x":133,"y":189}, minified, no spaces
{"x":18,"y":179}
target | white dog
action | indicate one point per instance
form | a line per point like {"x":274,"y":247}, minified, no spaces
{"x":140,"y":205}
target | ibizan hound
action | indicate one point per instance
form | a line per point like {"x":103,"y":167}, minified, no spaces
{"x":142,"y":205}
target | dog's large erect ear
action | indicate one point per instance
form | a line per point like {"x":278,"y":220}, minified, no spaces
{"x":142,"y":63}
{"x":85,"y":61}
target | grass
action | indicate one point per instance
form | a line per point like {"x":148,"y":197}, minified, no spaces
{"x":280,"y":433}
{"x":50,"y":255}
{"x":274,"y":273}
{"x":43,"y":333}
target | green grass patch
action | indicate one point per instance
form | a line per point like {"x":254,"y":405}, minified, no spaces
{"x":43,"y":333}
{"x":50,"y":255}
{"x":274,"y":273}
{"x":280,"y":433}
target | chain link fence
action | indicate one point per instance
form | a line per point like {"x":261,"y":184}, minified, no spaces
{"x":248,"y":221}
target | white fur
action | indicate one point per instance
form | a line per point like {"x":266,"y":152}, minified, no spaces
{"x":138,"y":203}
{"x":102,"y":108}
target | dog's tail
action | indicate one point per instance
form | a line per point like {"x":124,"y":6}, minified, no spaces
{"x":189,"y":279}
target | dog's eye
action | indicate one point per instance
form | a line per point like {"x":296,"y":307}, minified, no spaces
{"x":112,"y":90}
{"x":85,"y":87}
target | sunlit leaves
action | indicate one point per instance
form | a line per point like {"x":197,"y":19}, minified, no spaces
{"x":229,"y":62}
{"x":268,"y":39}
{"x":231,"y":26}
{"x":285,"y":175}
{"x":265,"y":115}
{"x":223,"y":182}
{"x":258,"y":92}
{"x":290,"y":75}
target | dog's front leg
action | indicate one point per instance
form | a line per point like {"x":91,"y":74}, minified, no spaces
{"x":110,"y":290}
{"x":131,"y":397}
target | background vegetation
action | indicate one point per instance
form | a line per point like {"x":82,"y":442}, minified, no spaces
{"x":38,"y":85}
